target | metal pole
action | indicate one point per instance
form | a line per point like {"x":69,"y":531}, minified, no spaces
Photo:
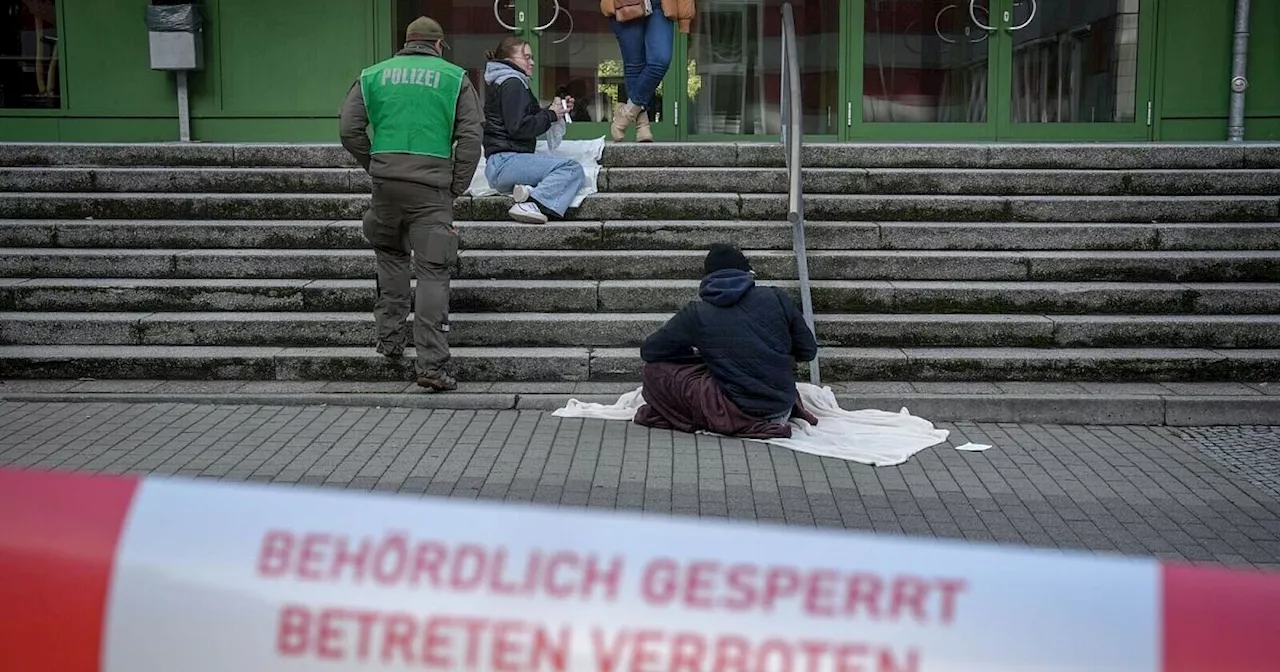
{"x":1239,"y":69}
{"x":184,"y":108}
{"x":792,"y":148}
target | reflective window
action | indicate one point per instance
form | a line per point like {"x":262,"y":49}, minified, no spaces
{"x":29,"y":54}
{"x":924,"y":61}
{"x":470,"y":28}
{"x":735,"y":67}
{"x":1075,"y":61}
{"x":579,"y":57}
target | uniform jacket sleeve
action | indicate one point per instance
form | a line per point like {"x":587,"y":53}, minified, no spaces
{"x":353,"y":125}
{"x":468,"y":132}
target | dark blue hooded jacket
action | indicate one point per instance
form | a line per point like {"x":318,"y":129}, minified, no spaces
{"x":750,"y":338}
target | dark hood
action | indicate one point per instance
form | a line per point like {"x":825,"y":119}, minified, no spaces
{"x":725,"y":287}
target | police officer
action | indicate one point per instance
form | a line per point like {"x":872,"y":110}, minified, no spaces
{"x":426,"y":123}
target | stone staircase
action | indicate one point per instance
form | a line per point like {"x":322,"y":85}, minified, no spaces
{"x":929,"y":262}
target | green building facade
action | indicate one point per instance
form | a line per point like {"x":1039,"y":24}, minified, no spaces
{"x":883,"y":70}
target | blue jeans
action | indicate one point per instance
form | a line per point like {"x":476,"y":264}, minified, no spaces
{"x":646,"y":53}
{"x":556,"y":181}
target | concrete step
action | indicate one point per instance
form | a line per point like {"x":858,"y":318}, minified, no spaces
{"x":611,"y":364}
{"x":675,"y":206}
{"x":655,"y":235}
{"x":1010,"y":364}
{"x":171,"y":180}
{"x":116,"y":294}
{"x":1069,"y":403}
{"x":276,"y":363}
{"x":1110,"y":156}
{"x":619,"y":296}
{"x":328,"y":155}
{"x":1149,"y":266}
{"x":1218,"y":266}
{"x":301,"y":329}
{"x":749,"y":154}
{"x":954,"y":181}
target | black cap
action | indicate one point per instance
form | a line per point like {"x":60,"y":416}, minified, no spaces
{"x":724,"y":256}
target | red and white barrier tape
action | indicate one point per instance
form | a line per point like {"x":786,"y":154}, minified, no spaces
{"x":140,"y":575}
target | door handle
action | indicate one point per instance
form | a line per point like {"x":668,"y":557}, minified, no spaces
{"x":498,"y":17}
{"x":1024,"y":24}
{"x":937,"y":28}
{"x":554,"y":16}
{"x":569,"y":16}
{"x":973,"y":15}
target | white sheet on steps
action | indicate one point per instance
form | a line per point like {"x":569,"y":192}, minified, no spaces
{"x":878,"y":438}
{"x":585,"y":152}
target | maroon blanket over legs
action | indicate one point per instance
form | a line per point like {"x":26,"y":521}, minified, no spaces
{"x":685,"y":397}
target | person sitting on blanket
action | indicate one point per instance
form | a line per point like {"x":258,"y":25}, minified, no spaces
{"x":513,"y":120}
{"x":726,"y":364}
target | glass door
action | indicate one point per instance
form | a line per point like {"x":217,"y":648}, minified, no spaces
{"x":577,"y":55}
{"x":927,"y":71}
{"x":937,"y":70}
{"x":471,"y":28}
{"x":1075,"y":70}
{"x":733,"y":70}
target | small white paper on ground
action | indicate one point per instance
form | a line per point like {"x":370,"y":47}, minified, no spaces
{"x":973,"y":447}
{"x":585,"y":152}
{"x":869,"y":436}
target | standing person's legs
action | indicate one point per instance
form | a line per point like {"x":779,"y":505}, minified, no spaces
{"x":429,"y":215}
{"x":556,"y":181}
{"x":646,"y":46}
{"x":385,"y":229}
{"x":659,"y":36}
{"x":631,"y":44}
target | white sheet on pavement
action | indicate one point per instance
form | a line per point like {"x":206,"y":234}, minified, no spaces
{"x":874,"y":437}
{"x":585,"y":152}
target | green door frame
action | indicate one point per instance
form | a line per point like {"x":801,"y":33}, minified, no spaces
{"x":999,"y":125}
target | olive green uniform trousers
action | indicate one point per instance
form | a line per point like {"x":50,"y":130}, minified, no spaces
{"x":410,"y":227}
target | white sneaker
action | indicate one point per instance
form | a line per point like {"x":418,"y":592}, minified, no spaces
{"x":521,"y":193}
{"x":527,"y":213}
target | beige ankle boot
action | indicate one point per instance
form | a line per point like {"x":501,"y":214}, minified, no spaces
{"x":624,"y":116}
{"x":643,"y":132}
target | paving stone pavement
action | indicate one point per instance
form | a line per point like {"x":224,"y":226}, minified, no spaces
{"x":1252,"y":453}
{"x":1130,"y":489}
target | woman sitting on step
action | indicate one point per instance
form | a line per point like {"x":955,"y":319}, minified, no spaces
{"x":513,"y":120}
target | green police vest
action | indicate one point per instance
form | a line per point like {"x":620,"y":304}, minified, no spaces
{"x":411,"y":102}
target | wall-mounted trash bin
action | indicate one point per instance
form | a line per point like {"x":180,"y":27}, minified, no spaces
{"x":176,"y":36}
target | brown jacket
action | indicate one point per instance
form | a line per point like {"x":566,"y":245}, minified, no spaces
{"x":680,"y":11}
{"x":454,"y":175}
